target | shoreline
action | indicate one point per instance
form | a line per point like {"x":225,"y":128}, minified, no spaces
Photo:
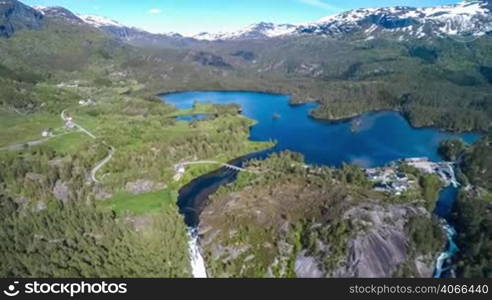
{"x":333,"y":120}
{"x":401,"y":113}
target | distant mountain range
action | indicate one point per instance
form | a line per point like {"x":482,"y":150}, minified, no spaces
{"x":471,"y":18}
{"x":468,"y":18}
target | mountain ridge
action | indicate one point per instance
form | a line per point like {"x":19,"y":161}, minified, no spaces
{"x":464,"y":18}
{"x":470,"y":19}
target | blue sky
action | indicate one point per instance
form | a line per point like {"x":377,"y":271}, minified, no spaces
{"x":194,"y":16}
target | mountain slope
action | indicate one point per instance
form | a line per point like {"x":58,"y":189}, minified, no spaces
{"x":113,"y":28}
{"x":59,"y":13}
{"x":16,"y":16}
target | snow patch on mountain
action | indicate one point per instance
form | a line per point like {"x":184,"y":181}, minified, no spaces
{"x":98,"y":21}
{"x":254,"y":31}
{"x":467,"y":17}
{"x":58,"y":12}
{"x":39,"y":8}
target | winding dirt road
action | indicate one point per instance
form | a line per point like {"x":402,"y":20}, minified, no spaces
{"x":101,"y":164}
{"x":94,"y":170}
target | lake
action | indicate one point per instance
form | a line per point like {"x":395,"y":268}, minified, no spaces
{"x":380,"y":138}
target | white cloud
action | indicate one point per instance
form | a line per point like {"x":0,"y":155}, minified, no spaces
{"x":154,"y":11}
{"x":319,"y":4}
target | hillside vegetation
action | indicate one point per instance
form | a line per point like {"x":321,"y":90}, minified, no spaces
{"x":473,"y":212}
{"x":294,"y":220}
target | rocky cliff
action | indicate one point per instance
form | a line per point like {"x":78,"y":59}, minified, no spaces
{"x":309,"y":222}
{"x":16,"y":16}
{"x":380,"y":250}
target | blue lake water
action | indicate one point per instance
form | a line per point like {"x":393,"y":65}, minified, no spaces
{"x":381,"y":137}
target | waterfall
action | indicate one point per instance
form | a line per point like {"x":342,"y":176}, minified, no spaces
{"x":449,"y":253}
{"x":452,"y":173}
{"x":197,"y":262}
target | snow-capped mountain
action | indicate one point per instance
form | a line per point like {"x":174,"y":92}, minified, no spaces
{"x":470,"y":18}
{"x":467,"y":18}
{"x":65,"y":14}
{"x":59,"y":12}
{"x":255,"y":31}
{"x":129,"y":34}
{"x":98,"y":21}
{"x":120,"y":29}
{"x":111,"y":27}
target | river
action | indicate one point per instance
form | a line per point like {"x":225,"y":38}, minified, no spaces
{"x":443,"y":209}
{"x":381,"y":137}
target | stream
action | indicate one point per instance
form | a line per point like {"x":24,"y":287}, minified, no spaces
{"x":443,"y":209}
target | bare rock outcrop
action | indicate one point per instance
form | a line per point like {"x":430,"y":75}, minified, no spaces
{"x":375,"y":255}
{"x":61,"y":191}
{"x":101,"y":193}
{"x":380,"y":250}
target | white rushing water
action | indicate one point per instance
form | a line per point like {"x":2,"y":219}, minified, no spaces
{"x":449,"y":253}
{"x":197,"y":262}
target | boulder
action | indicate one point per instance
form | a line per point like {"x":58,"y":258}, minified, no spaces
{"x":61,"y":191}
